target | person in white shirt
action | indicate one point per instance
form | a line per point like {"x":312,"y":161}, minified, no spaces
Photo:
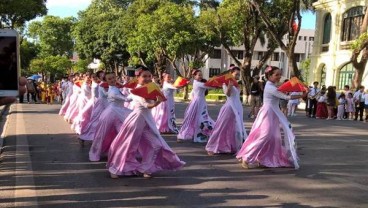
{"x":312,"y":97}
{"x":359,"y":103}
{"x":366,"y":105}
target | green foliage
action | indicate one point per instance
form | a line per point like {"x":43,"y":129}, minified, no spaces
{"x":53,"y":34}
{"x":99,"y":32}
{"x":15,"y":13}
{"x":28,"y":51}
{"x":357,"y":44}
{"x":51,"y":65}
{"x":81,"y":65}
{"x":305,"y":69}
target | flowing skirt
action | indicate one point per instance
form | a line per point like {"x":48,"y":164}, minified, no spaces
{"x":164,"y":116}
{"x":84,"y":116}
{"x":110,"y":123}
{"x":65,"y":106}
{"x":88,"y":132}
{"x":264,"y":145}
{"x":139,"y":148}
{"x":197,"y":124}
{"x":321,"y":110}
{"x":225,"y":138}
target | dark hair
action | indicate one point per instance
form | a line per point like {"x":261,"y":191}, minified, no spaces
{"x":195,"y":72}
{"x":315,"y":82}
{"x":139,"y":69}
{"x":270,"y":70}
{"x":235,"y":68}
{"x":347,"y":86}
{"x":206,"y":91}
{"x":341,"y":95}
{"x":100,"y":72}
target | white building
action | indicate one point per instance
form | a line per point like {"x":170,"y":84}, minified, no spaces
{"x":220,"y":60}
{"x":337,"y":26}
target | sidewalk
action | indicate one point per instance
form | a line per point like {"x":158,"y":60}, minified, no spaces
{"x":3,"y":110}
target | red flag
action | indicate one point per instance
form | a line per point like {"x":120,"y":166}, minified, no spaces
{"x":217,"y":81}
{"x":295,"y":26}
{"x":181,"y":82}
{"x":131,"y":84}
{"x":293,"y":85}
{"x":149,"y":91}
{"x":78,"y":83}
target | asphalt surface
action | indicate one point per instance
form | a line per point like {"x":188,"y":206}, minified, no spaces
{"x":42,"y":165}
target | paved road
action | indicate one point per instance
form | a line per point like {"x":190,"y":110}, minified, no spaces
{"x":42,"y":165}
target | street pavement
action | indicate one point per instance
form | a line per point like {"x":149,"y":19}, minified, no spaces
{"x":42,"y":165}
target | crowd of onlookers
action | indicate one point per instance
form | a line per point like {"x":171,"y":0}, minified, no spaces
{"x":321,"y":102}
{"x":40,"y":92}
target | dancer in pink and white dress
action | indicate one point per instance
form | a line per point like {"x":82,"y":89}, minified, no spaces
{"x":229,"y":132}
{"x":265,"y":146}
{"x":68,"y":93}
{"x":197,"y":125}
{"x":139,"y":148}
{"x":88,"y":133}
{"x":164,"y":115}
{"x":110,"y":120}
{"x":84,"y":115}
{"x":73,"y":99}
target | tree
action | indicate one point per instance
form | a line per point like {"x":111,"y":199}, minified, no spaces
{"x":15,"y":13}
{"x":81,"y":65}
{"x":53,"y":34}
{"x":237,"y":23}
{"x":305,"y":69}
{"x":278,"y":14}
{"x":55,"y":66}
{"x":28,"y":51}
{"x":99,"y":33}
{"x":359,"y":56}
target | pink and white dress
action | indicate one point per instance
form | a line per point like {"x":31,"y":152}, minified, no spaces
{"x":88,"y":132}
{"x":83,"y":97}
{"x":84,"y":116}
{"x":139,"y":148}
{"x":164,"y":114}
{"x":109,"y":124}
{"x":73,"y":102}
{"x":197,"y":124}
{"x":68,"y":92}
{"x":229,"y":132}
{"x":265,"y":145}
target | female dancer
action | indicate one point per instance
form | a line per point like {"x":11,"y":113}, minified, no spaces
{"x":197,"y":124}
{"x":110,"y":120}
{"x":265,"y":146}
{"x":229,"y":133}
{"x":165,"y":112}
{"x":139,"y":147}
{"x":68,"y":93}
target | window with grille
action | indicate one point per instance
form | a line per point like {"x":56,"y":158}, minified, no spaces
{"x":214,"y":72}
{"x":327,"y":29}
{"x":352,"y":20}
{"x":216,"y":54}
{"x":346,"y":75}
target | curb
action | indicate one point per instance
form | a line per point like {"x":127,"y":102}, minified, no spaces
{"x":3,"y":114}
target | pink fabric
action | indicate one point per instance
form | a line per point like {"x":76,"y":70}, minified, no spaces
{"x":223,"y":138}
{"x":108,"y":127}
{"x":88,"y":132}
{"x":83,"y":118}
{"x":264,"y":143}
{"x":139,"y":148}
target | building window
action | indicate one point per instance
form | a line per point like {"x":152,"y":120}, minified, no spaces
{"x":216,"y":54}
{"x":300,"y":38}
{"x":305,"y":38}
{"x":275,"y":57}
{"x":260,"y":55}
{"x":323,"y":75}
{"x":214,"y":72}
{"x":327,"y":29}
{"x":346,"y":75}
{"x":297,"y":57}
{"x":130,"y":73}
{"x":311,"y":38}
{"x":352,"y":20}
{"x":238,"y":54}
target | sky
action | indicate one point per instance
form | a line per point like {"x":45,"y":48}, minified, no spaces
{"x":65,"y":8}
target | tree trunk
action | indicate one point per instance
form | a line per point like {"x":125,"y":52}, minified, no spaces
{"x":292,"y":66}
{"x":359,"y":66}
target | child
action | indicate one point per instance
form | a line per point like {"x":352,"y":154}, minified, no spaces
{"x":341,"y":107}
{"x":322,"y":106}
{"x":292,"y":104}
{"x":49,"y":94}
{"x":350,"y":107}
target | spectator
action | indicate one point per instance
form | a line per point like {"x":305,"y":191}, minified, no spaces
{"x":341,"y":107}
{"x":31,"y":91}
{"x":331,"y":102}
{"x":350,"y":108}
{"x":312,"y":97}
{"x":359,"y":103}
{"x":255,"y":96}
